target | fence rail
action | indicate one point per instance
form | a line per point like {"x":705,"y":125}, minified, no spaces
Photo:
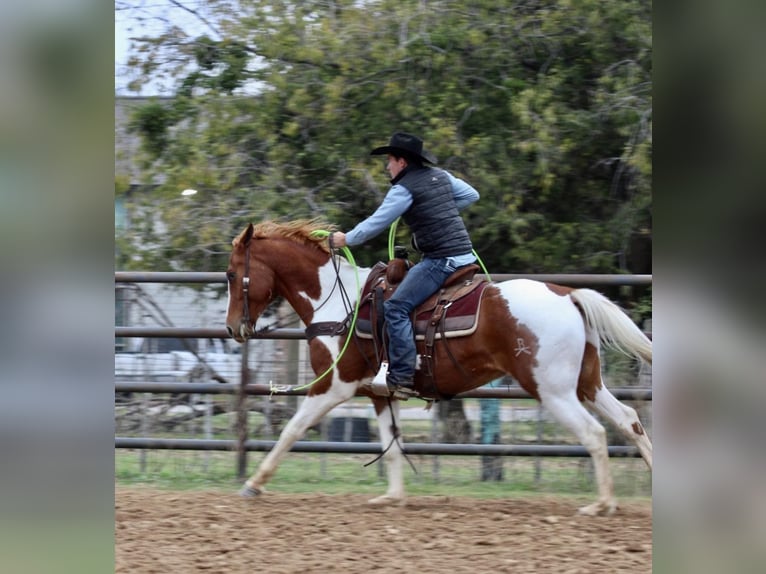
{"x":202,"y":333}
{"x":621,"y":393}
{"x":573,"y":279}
{"x":242,"y":446}
{"x":373,"y":447}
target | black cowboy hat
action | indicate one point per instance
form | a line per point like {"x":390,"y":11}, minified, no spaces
{"x":406,"y":143}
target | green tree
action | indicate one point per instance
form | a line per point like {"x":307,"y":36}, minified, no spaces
{"x":544,"y":106}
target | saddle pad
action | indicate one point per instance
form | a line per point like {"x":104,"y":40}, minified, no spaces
{"x":461,"y":317}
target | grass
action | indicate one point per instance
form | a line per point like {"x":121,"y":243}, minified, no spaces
{"x":346,"y":474}
{"x":222,"y":426}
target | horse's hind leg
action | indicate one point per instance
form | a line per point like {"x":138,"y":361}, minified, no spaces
{"x":570,"y":412}
{"x":624,"y":418}
{"x":312,"y":409}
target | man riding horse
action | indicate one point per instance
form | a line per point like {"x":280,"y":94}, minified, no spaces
{"x":429,"y":200}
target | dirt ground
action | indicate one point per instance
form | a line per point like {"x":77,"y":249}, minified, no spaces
{"x":198,"y":531}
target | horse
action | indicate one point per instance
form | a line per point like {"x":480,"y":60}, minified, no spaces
{"x":546,"y":336}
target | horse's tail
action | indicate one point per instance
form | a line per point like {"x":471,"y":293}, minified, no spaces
{"x":615,"y":329}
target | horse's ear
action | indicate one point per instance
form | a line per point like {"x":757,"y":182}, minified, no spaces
{"x":243,"y":238}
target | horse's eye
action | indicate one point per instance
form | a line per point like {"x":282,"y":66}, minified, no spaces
{"x":231,"y":276}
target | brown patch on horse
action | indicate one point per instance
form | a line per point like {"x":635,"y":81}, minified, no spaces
{"x":525,"y":353}
{"x":590,"y":374}
{"x":380,"y":404}
{"x":304,"y":276}
{"x":352,"y":367}
{"x":278,"y":251}
{"x":321,"y":359}
{"x":637,"y":428}
{"x":559,"y":289}
{"x":589,"y":381}
{"x":499,"y":345}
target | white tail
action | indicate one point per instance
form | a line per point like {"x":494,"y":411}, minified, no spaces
{"x":614,"y":327}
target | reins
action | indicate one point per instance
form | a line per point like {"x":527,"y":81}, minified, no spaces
{"x":395,"y":434}
{"x":279,"y":324}
{"x":246,"y":287}
{"x":346,"y":303}
{"x":299,"y":318}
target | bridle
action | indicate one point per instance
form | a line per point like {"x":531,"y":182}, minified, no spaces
{"x":246,"y":287}
{"x":327,"y":328}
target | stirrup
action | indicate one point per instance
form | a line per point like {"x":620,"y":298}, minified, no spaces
{"x":378,"y":384}
{"x":403,"y":393}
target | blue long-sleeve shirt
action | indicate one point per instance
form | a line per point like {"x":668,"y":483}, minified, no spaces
{"x":397,"y":201}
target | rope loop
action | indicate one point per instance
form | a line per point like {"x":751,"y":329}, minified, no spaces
{"x":322,"y":233}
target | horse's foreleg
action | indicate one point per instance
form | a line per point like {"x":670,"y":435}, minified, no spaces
{"x":312,"y":409}
{"x":624,"y":418}
{"x":571,"y":413}
{"x":388,"y":413}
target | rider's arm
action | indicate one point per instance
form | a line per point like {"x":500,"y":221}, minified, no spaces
{"x":464,"y":193}
{"x":397,"y":201}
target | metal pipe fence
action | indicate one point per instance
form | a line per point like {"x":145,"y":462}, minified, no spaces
{"x":149,"y":387}
{"x":573,"y":279}
{"x":621,"y":393}
{"x":373,"y":447}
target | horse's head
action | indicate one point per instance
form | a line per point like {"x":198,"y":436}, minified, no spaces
{"x":251,"y":287}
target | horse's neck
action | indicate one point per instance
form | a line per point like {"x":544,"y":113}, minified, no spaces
{"x":306,"y":277}
{"x":340,"y":289}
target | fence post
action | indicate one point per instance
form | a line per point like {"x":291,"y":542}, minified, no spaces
{"x":538,"y":460}
{"x":491,"y":466}
{"x":145,"y":402}
{"x":242,"y":413}
{"x":208,"y":429}
{"x":435,"y":438}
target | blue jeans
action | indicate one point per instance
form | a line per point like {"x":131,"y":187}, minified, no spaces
{"x":422,"y":280}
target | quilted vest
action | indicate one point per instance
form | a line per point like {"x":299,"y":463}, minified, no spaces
{"x":433,"y":218}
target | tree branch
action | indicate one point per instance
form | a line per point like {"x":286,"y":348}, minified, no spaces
{"x":197,"y":15}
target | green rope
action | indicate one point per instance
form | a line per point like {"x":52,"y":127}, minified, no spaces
{"x":481,"y":264}
{"x":391,"y":241}
{"x":392,"y":238}
{"x":350,"y":259}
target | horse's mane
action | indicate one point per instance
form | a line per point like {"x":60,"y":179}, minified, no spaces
{"x":300,"y":231}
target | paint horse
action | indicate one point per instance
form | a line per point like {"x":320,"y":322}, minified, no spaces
{"x":546,"y":336}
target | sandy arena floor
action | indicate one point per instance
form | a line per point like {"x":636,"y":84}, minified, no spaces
{"x":196,"y":531}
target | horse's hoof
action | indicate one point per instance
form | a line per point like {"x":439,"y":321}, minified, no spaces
{"x":598,"y":509}
{"x":387,"y":500}
{"x":249,"y":492}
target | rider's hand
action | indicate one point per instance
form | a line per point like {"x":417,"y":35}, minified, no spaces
{"x":338,"y":239}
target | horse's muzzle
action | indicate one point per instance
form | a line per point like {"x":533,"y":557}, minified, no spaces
{"x":242,"y":334}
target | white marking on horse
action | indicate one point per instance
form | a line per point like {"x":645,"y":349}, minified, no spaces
{"x":521,"y":347}
{"x":228,"y":294}
{"x":329,"y":305}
